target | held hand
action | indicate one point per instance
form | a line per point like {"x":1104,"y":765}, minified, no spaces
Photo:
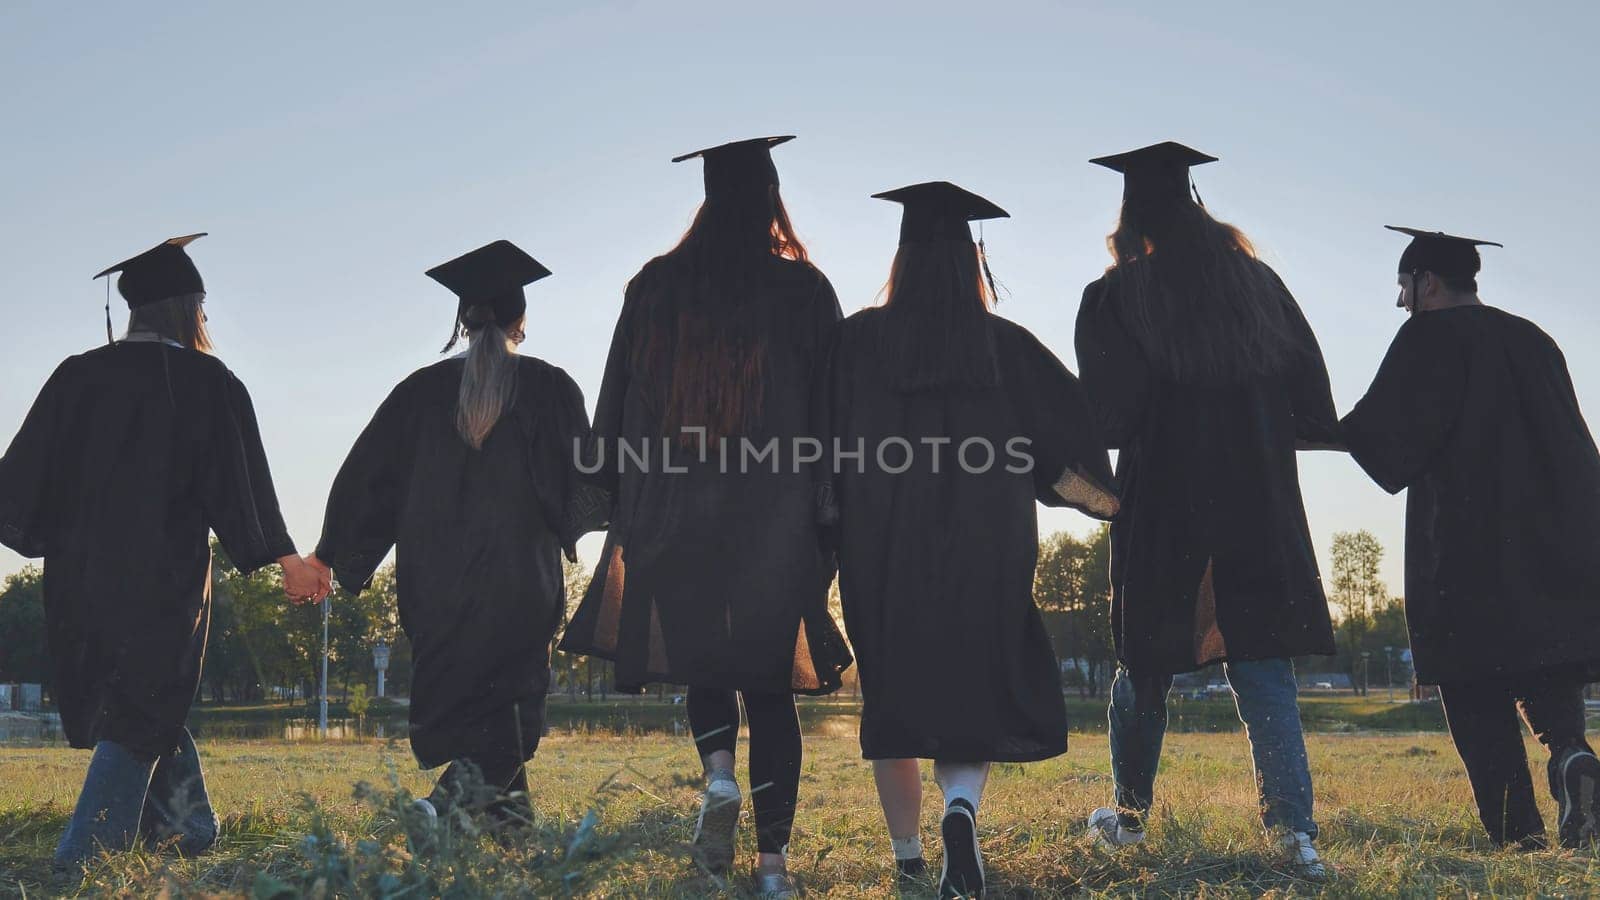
{"x":301,"y":582}
{"x":324,"y":573}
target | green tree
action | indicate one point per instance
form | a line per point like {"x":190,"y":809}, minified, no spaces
{"x":356,"y":624}
{"x":1358,"y":593}
{"x":359,"y":703}
{"x":1072,"y":587}
{"x":24,"y":651}
{"x":279,"y":643}
{"x":573,"y":666}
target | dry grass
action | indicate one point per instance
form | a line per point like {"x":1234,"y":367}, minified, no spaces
{"x":1395,"y":813}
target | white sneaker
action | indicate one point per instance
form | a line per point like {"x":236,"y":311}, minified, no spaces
{"x":714,"y":829}
{"x":1108,"y":831}
{"x":775,"y":886}
{"x":1302,"y":855}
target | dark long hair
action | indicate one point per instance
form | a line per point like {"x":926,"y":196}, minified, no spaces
{"x":1194,"y":296}
{"x":180,"y":319}
{"x":703,"y":322}
{"x":936,"y":329}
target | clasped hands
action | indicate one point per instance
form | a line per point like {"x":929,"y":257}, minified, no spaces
{"x":306,"y":579}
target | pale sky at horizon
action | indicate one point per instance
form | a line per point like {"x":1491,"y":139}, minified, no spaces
{"x":335,"y":151}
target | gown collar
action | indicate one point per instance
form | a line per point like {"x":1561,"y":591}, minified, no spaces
{"x":149,"y":337}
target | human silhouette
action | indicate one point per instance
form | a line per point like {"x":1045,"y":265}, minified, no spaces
{"x":963,"y":419}
{"x":468,"y":471}
{"x":1473,"y":415}
{"x":132,"y":454}
{"x":1205,"y":377}
{"x":712,"y":575}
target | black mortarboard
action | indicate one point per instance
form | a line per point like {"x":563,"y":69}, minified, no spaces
{"x":939,"y":210}
{"x":1440,"y":253}
{"x":492,"y":275}
{"x":163,"y":271}
{"x":740,"y":165}
{"x":1156,"y":170}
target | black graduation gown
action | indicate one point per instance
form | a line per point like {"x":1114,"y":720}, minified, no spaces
{"x":1473,"y":413}
{"x":712,"y":575}
{"x":936,"y":562}
{"x":130,"y":456}
{"x":1211,"y":556}
{"x":479,"y":536}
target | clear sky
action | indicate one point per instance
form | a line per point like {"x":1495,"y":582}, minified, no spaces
{"x":335,"y":151}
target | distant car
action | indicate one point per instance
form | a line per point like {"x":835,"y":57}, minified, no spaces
{"x":1323,"y":685}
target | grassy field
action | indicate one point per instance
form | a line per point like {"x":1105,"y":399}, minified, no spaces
{"x":615,"y":814}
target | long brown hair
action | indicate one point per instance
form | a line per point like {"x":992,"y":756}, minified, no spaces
{"x":489,"y":378}
{"x":1193,"y":294}
{"x":936,"y":329}
{"x":702,"y":323}
{"x":180,"y":319}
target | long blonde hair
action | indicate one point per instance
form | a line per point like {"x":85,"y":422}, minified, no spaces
{"x":489,"y":378}
{"x":181,"y":319}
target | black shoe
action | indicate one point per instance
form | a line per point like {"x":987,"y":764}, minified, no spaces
{"x":963,"y":864}
{"x":1579,"y":799}
{"x":910,"y":872}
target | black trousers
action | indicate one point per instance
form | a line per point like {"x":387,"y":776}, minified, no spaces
{"x":1487,"y":729}
{"x":774,"y":752}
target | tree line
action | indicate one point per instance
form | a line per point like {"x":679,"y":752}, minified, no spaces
{"x":262,"y":648}
{"x":1072,"y":586}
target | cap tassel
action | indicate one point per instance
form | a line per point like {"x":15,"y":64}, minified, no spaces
{"x":983,"y":259}
{"x":455,"y":335}
{"x":109,"y":338}
{"x":1196,"y":190}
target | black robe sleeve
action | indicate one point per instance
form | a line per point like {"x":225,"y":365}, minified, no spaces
{"x":1407,"y":413}
{"x":362,"y":520}
{"x":827,"y":409}
{"x":1115,"y":374}
{"x":240,"y":503}
{"x":585,"y":506}
{"x":1070,"y":465}
{"x":1316,"y":422}
{"x":609,"y":405}
{"x":25,"y":472}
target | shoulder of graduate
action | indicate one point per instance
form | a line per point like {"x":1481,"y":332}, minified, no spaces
{"x":861,"y":317}
{"x":541,"y":368}
{"x":1096,"y":290}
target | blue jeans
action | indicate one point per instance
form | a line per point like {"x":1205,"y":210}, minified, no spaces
{"x":127,"y":796}
{"x":1266,"y":697}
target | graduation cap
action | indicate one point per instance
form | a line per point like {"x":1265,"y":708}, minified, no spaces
{"x":158,"y":273}
{"x":739,"y":166}
{"x":939,"y":210}
{"x":163,"y":271}
{"x":1442,"y":254}
{"x":1157,"y":170}
{"x":492,"y":275}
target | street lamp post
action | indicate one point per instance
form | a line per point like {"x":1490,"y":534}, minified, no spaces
{"x":1388,"y":670}
{"x":322,"y":714}
{"x":380,"y":661}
